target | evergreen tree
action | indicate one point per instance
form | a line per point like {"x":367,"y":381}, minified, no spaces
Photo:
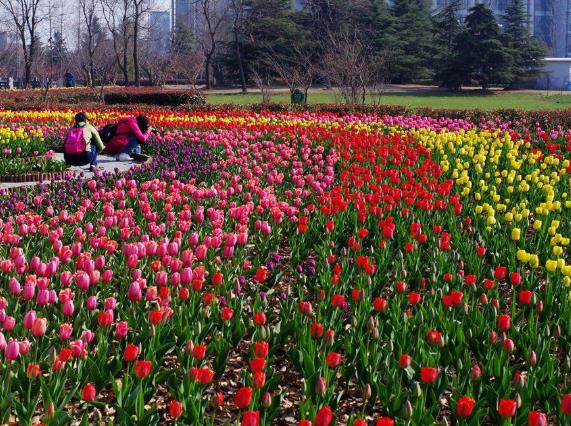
{"x":485,"y":57}
{"x":380,"y":25}
{"x":58,"y":51}
{"x":449,"y":68}
{"x":183,"y":41}
{"x":269,"y":29}
{"x":526,"y":51}
{"x":412,"y":48}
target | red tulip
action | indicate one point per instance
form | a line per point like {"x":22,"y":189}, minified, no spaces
{"x":504,"y":322}
{"x":465,"y":406}
{"x":88,"y":393}
{"x":380,"y":304}
{"x":204,"y":375}
{"x":217,"y":278}
{"x":250,"y":418}
{"x":175,"y":409}
{"x":156,"y":316}
{"x":257,"y":364}
{"x":405,"y":361}
{"x":199,"y":352}
{"x":515,"y":278}
{"x":434,"y":337}
{"x":304,"y":423}
{"x":243,"y":397}
{"x":500,"y":273}
{"x":428,"y":374}
{"x":413,"y":298}
{"x":260,"y":318}
{"x":385,"y":421}
{"x":143,"y":368}
{"x":360,"y":422}
{"x":33,"y":371}
{"x":261,"y":275}
{"x":324,"y":417}
{"x":535,"y":418}
{"x":261,"y":349}
{"x":226,"y":314}
{"x":524,"y":297}
{"x":333,"y":359}
{"x":316,"y":330}
{"x":131,"y":352}
{"x":259,"y":379}
{"x":507,"y":407}
{"x":566,"y":404}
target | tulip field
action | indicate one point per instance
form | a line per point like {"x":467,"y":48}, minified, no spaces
{"x":291,"y":268}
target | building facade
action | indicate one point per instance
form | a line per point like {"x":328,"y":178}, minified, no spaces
{"x":160,"y":31}
{"x":185,"y":13}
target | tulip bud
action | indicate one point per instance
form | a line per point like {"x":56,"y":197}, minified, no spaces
{"x":367,"y":392}
{"x":475,"y":372}
{"x":320,"y":386}
{"x":266,"y":400}
{"x":329,"y":337}
{"x":50,"y":412}
{"x":557,"y":331}
{"x":509,"y":345}
{"x":371,"y":324}
{"x":532,"y":359}
{"x":407,"y":409}
{"x":518,"y":400}
{"x":519,"y":380}
{"x":416,"y":389}
{"x":540,"y":306}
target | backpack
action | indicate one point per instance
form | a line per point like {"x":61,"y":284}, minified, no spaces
{"x":107,"y":132}
{"x":74,"y":141}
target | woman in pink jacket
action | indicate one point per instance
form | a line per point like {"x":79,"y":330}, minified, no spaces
{"x":130,"y":133}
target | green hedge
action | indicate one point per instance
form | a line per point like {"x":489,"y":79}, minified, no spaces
{"x":156,"y":98}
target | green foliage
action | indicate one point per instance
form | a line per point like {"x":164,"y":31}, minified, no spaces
{"x":183,"y":40}
{"x":487,"y":60}
{"x":527,"y":52}
{"x":412,"y":49}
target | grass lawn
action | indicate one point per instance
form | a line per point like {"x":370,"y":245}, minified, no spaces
{"x":528,"y":100}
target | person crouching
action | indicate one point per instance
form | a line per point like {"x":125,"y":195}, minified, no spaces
{"x":81,"y":143}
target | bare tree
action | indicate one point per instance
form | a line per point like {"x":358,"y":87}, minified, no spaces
{"x":26,"y":15}
{"x":187,"y":66}
{"x":89,"y":22}
{"x":117,"y":15}
{"x":349,"y":65}
{"x":297,"y":71}
{"x":139,"y":8}
{"x":263,"y":81}
{"x":214,"y":13}
{"x":238,"y":12}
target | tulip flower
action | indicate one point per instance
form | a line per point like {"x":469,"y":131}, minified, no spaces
{"x":385,"y":421}
{"x":333,"y":359}
{"x":428,"y":374}
{"x":175,"y":409}
{"x":507,"y":407}
{"x":88,"y":392}
{"x":143,"y":368}
{"x":566,"y":404}
{"x":464,"y":406}
{"x":243,"y":397}
{"x":324,"y":417}
{"x":250,"y":418}
{"x":535,"y":418}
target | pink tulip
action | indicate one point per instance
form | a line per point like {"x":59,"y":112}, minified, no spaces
{"x":68,"y":308}
{"x":134,"y":293}
{"x":29,"y":319}
{"x":91,"y":303}
{"x":65,"y":331}
{"x":12,"y":350}
{"x":122,"y":328}
{"x":9,"y":323}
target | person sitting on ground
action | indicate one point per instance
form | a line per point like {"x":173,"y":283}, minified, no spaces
{"x":81,"y":143}
{"x":130,"y":133}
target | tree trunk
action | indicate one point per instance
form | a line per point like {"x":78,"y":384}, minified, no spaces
{"x":125,"y":69}
{"x":207,"y":71}
{"x":240,"y":64}
{"x":135,"y":51}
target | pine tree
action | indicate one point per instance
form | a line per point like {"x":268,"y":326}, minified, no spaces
{"x":412,"y":41}
{"x":58,"y":49}
{"x":381,"y":23}
{"x":449,"y":68}
{"x":183,"y":41}
{"x":270,"y":29}
{"x":485,"y":56}
{"x":526,"y":51}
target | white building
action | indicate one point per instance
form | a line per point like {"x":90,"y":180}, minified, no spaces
{"x":556,"y":76}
